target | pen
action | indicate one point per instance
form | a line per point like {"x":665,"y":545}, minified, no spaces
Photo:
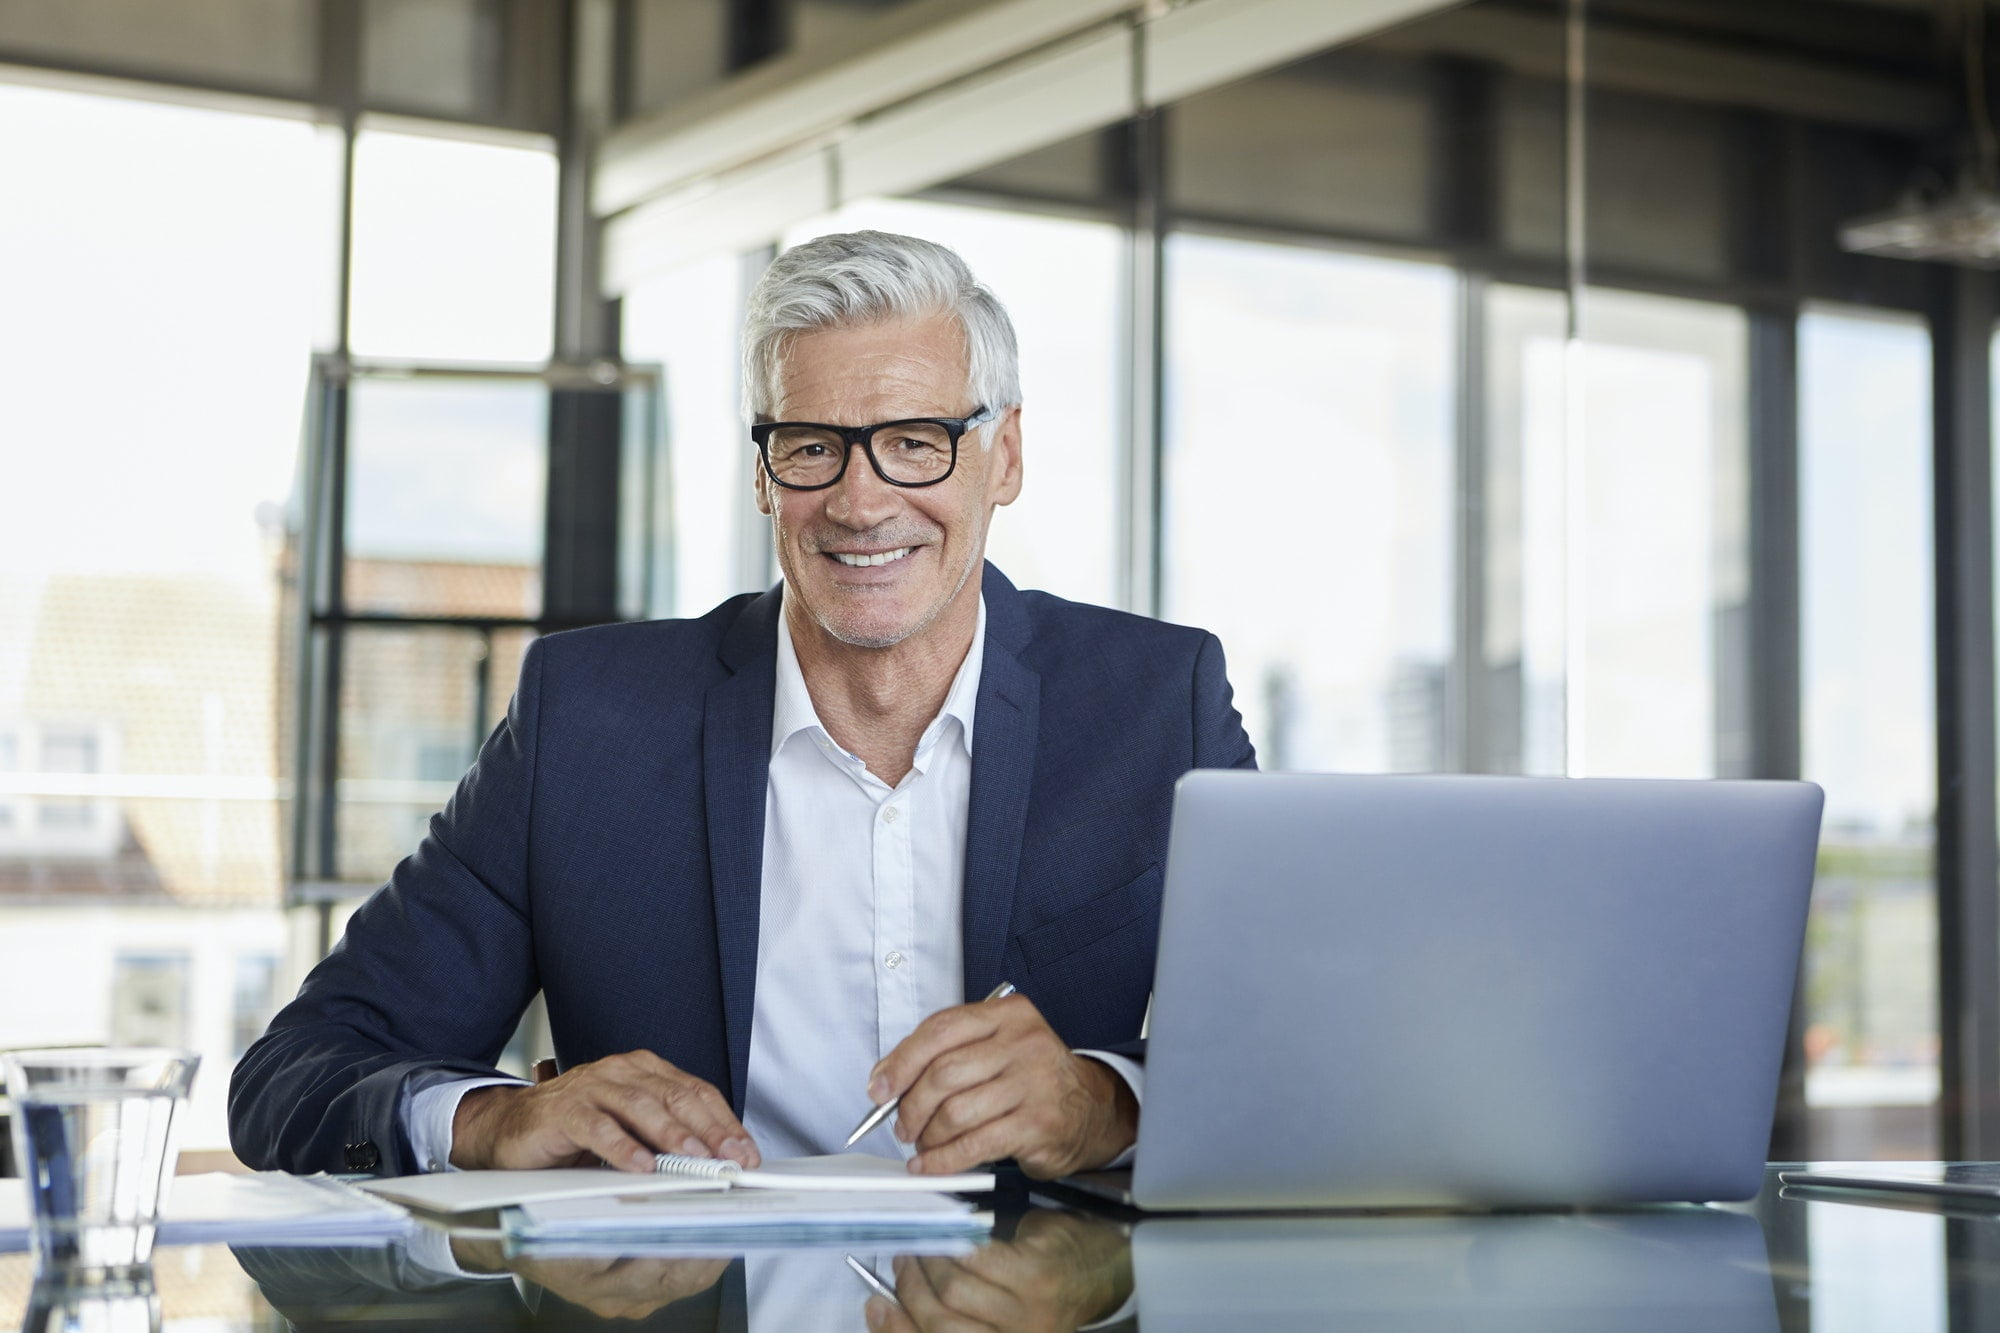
{"x":888,"y":1108}
{"x":875,"y":1284}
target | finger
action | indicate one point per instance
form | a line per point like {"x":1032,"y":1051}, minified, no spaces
{"x":921,"y":1278}
{"x":950,"y":1074}
{"x":966,"y":1110}
{"x":884,"y":1316}
{"x":1008,"y":1136}
{"x":941,"y":1032}
{"x":640,"y":1109}
{"x":545,"y":1070}
{"x":920,"y":1302}
{"x":971,"y":1295}
{"x":708,"y":1121}
{"x":674,"y":1111}
{"x":590,"y":1127}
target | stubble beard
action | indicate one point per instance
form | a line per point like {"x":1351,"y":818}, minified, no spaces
{"x":854,"y":640}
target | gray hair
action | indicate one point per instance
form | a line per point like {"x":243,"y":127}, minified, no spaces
{"x":863,"y":277}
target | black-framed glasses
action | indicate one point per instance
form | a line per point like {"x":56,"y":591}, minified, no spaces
{"x":916,"y":451}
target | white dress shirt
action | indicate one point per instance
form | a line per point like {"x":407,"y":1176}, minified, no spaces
{"x":858,"y":926}
{"x":858,"y":935}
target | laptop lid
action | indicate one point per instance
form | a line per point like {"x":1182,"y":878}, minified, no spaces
{"x":1470,"y":991}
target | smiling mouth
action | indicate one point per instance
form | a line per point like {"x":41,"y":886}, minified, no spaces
{"x":879,"y":558}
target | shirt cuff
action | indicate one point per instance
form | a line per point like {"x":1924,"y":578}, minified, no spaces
{"x":429,"y":1248}
{"x":431,"y":1114}
{"x":1134,"y":1075}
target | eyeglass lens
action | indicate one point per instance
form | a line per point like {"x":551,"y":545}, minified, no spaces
{"x":913,"y":451}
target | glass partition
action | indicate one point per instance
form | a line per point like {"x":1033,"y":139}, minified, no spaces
{"x":454,"y":248}
{"x":1308,"y":492}
{"x":1868,"y":726}
{"x":1640,"y":534}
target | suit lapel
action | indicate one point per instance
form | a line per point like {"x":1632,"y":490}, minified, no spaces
{"x":736,"y":755}
{"x":1005,"y":729}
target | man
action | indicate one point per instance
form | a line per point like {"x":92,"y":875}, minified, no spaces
{"x":759,"y":862}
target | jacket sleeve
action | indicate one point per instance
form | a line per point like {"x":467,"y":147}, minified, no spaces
{"x":1219,"y":742}
{"x":427,"y":984}
{"x":1219,"y":738}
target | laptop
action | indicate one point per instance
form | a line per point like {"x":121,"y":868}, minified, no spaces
{"x":1469,"y":992}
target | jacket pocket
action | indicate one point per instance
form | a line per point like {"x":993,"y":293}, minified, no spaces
{"x":1103,"y":915}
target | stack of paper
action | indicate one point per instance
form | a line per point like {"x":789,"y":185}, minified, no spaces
{"x":853,"y":1196}
{"x":476,"y":1191}
{"x":269,"y":1208}
{"x":765,"y":1216}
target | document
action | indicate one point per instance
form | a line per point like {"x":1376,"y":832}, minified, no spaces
{"x":268,"y":1208}
{"x":763,"y":1215}
{"x":476,"y":1191}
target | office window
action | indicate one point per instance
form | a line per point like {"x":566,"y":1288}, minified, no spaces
{"x":445,"y":497}
{"x":454,"y":249}
{"x":1058,"y":279}
{"x":415,"y":705}
{"x":164,"y":272}
{"x":67,"y":750}
{"x":1308,"y":493}
{"x":256,"y":998}
{"x":1652,"y":567}
{"x":1867,"y":731}
{"x":149,"y":1000}
{"x":687,"y":322}
{"x":147,"y":606}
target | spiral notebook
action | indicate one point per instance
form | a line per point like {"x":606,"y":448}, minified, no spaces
{"x":673,"y":1173}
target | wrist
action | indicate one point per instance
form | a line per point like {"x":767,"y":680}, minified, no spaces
{"x":1117,"y":1118}
{"x":470,"y":1121}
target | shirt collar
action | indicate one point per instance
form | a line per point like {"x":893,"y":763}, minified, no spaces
{"x":792,"y":710}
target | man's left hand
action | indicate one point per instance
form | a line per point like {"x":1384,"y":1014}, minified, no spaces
{"x":986,"y":1081}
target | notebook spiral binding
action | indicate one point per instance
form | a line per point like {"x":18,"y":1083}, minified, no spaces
{"x":704,"y":1168}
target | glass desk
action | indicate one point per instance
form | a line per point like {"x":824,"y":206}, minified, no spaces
{"x":1789,"y":1260}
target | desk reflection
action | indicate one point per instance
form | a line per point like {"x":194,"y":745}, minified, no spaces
{"x":1059,"y":1272}
{"x":1051,"y":1270}
{"x":1677,"y":1269}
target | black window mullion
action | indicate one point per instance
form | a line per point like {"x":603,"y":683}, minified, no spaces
{"x":1968,"y":892}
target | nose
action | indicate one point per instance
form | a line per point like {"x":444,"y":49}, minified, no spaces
{"x":861,"y":499}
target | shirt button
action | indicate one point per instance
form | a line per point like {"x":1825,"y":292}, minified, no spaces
{"x":892,"y":959}
{"x":889,"y":815}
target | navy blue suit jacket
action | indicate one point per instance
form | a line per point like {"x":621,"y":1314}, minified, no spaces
{"x":606,"y":849}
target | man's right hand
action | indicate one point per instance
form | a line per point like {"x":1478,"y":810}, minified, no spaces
{"x":622,"y":1109}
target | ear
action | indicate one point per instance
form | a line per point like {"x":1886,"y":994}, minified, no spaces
{"x":760,"y":486}
{"x":1005,"y":470}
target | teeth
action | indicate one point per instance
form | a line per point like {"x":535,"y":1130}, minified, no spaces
{"x":882,"y":559}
